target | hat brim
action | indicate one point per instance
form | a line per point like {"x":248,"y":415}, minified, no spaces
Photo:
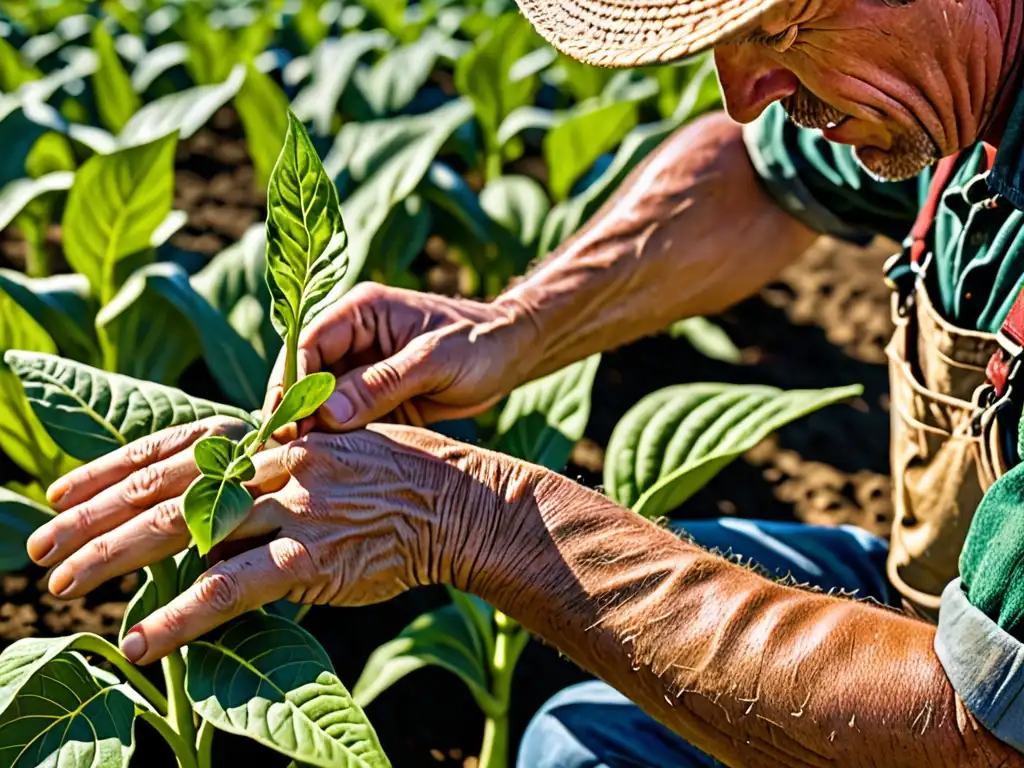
{"x":631,"y":33}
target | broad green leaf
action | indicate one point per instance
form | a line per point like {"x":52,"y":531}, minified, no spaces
{"x":688,"y":89}
{"x":478,"y":615}
{"x":234,"y":282}
{"x":333,"y":63}
{"x":566,"y":218}
{"x":16,"y":195}
{"x":157,"y":324}
{"x":263,"y":109}
{"x":400,"y":239}
{"x":483,"y":74}
{"x":671,"y":443}
{"x":519,"y":204}
{"x":14,"y":71}
{"x":22,"y":437}
{"x":305,"y":235}
{"x":393,"y":82}
{"x":528,"y":118}
{"x":90,"y":412}
{"x":61,"y":305}
{"x":52,"y":153}
{"x":301,"y":400}
{"x":213,"y":508}
{"x":707,"y":338}
{"x":183,"y":113}
{"x":115,"y":99}
{"x":391,"y":15}
{"x":57,"y":713}
{"x":388,"y":159}
{"x":440,"y":638}
{"x":581,"y":80}
{"x":115,"y":205}
{"x":542,"y":421}
{"x":573,"y":145}
{"x":266,"y":678}
{"x":156,"y":62}
{"x":19,"y":517}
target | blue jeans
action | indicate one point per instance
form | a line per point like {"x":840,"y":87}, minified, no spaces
{"x":591,"y":725}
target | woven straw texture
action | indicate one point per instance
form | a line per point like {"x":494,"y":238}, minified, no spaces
{"x":630,"y":33}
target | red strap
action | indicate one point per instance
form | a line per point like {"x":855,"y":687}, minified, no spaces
{"x":926,"y":216}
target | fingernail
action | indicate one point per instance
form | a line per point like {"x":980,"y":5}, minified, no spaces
{"x":134,"y":645}
{"x":41,"y":546}
{"x":61,"y":579}
{"x":58,"y":490}
{"x":340,"y":408}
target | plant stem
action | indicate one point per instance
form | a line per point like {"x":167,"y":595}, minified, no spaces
{"x":494,"y":749}
{"x":182,"y":750}
{"x":492,"y":170}
{"x":110,"y":652}
{"x":291,"y":358}
{"x":179,"y":708}
{"x":204,"y":744}
{"x":301,"y":613}
{"x":508,"y":644}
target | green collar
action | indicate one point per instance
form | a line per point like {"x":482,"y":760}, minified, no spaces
{"x":1007,"y":177}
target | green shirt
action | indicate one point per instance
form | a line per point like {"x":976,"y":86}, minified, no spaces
{"x":978,"y":264}
{"x":975,"y":274}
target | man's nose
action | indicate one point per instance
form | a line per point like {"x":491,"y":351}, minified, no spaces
{"x":750,"y":81}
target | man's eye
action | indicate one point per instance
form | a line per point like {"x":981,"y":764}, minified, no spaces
{"x":781,"y":42}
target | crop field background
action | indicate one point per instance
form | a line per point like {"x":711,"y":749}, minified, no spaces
{"x":464,"y":149}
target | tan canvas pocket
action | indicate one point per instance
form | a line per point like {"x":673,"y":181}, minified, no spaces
{"x":940,"y":468}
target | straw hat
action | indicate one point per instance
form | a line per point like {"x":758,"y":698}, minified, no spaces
{"x":629,"y":33}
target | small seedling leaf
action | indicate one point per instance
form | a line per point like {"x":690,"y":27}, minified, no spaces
{"x":301,"y":400}
{"x":213,"y":508}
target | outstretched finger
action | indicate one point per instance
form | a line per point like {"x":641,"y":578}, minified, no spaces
{"x":86,"y":481}
{"x":229,"y":589}
{"x":112,"y":507}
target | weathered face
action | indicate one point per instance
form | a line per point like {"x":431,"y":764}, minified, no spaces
{"x":903,"y":81}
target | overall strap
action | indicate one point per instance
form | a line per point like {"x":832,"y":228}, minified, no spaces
{"x":926,"y":216}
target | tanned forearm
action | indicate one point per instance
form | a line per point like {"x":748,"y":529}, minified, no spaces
{"x":750,"y":671}
{"x":689,"y":233}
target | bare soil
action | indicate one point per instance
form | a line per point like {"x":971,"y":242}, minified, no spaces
{"x":824,"y":322}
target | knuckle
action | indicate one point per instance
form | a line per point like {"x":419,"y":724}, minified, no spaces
{"x":382,"y":378}
{"x":144,"y":451}
{"x":366,"y":292}
{"x":220,"y":425}
{"x":173,"y":619}
{"x":166,"y":520}
{"x":222,"y":592}
{"x":297,"y":457}
{"x":142,"y":486}
{"x":100,"y":551}
{"x":294,"y":559}
{"x":83,"y":520}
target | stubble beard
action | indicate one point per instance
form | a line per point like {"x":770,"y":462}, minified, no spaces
{"x":909,"y":155}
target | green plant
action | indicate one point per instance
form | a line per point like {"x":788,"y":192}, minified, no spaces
{"x":260,"y":675}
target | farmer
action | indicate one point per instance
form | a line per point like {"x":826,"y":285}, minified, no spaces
{"x":703,"y":659}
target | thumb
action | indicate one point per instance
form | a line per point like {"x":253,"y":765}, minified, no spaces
{"x":368,"y":393}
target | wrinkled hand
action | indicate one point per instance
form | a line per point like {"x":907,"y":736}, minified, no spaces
{"x":351,"y":519}
{"x":415,"y":358}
